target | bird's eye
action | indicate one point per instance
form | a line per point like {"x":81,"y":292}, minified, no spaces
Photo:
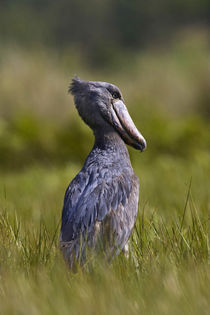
{"x":115,"y":95}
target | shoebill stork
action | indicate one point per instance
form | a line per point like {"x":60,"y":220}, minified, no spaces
{"x":101,"y":202}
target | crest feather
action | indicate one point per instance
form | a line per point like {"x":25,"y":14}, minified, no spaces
{"x":75,"y":86}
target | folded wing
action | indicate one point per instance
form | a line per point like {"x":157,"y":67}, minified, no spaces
{"x":89,"y":199}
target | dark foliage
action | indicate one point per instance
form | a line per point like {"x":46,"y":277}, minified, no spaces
{"x":98,"y":28}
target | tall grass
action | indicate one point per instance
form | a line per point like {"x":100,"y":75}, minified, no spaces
{"x":167,"y":270}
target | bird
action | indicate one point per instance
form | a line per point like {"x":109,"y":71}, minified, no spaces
{"x":101,"y":202}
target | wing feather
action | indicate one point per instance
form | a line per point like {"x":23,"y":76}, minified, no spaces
{"x":89,"y":198}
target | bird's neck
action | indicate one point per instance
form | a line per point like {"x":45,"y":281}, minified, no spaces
{"x":110,"y":141}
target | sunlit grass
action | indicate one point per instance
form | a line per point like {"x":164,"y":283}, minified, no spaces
{"x":168,"y":266}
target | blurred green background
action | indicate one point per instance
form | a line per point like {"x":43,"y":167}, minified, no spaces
{"x":158,"y":53}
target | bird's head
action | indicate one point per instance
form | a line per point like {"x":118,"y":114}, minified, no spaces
{"x":100,"y":104}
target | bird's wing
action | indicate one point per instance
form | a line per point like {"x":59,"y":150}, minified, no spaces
{"x":89,"y":198}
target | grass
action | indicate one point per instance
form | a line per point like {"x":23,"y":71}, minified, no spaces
{"x":168,"y":268}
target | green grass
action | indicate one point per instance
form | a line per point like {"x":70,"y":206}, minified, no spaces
{"x":168,"y":268}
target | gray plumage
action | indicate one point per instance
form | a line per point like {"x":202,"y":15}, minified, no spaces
{"x":101,"y":202}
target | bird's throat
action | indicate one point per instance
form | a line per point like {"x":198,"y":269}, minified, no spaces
{"x":110,"y":141}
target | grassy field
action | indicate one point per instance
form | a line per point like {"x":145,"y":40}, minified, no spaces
{"x":168,"y":269}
